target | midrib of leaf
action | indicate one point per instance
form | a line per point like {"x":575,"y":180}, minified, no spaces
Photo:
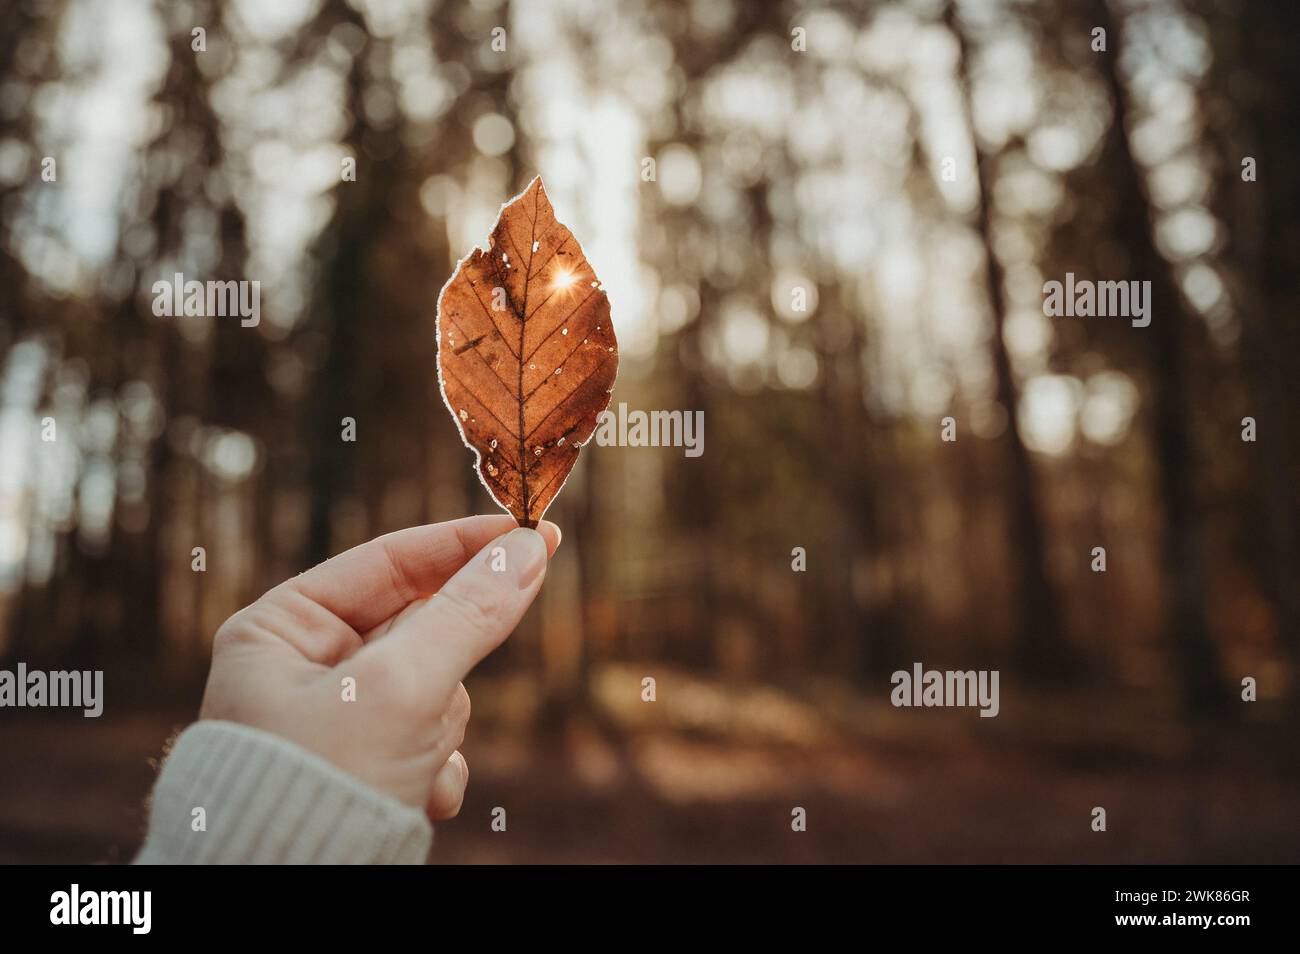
{"x":523,"y":311}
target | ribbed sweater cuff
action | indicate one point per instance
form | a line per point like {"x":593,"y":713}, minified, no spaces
{"x":269,"y":801}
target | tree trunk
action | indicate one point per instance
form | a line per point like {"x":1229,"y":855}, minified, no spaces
{"x":1041,"y":644}
{"x":1183,"y":567}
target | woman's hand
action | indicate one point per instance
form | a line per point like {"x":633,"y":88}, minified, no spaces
{"x":360,"y":660}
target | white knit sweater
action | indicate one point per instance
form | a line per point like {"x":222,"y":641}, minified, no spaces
{"x":268,"y":801}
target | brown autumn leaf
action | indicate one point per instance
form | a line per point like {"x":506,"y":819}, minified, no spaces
{"x":526,"y":354}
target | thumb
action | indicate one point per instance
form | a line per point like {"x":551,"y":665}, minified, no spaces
{"x":470,"y":616}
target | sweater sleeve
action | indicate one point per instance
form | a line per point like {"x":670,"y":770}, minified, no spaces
{"x":266,"y":800}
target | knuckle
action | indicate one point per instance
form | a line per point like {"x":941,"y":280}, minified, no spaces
{"x":474,"y":607}
{"x":455,"y":736}
{"x":451,"y":726}
{"x":456,"y":790}
{"x":226,"y":635}
{"x":394,"y":686}
{"x":240,"y":629}
{"x":460,"y":704}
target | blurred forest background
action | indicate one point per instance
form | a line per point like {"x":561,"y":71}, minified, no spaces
{"x":775,"y":169}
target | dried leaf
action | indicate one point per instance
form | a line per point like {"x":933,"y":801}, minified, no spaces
{"x":526,"y":354}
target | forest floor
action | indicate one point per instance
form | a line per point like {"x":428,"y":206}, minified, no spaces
{"x":711,"y":772}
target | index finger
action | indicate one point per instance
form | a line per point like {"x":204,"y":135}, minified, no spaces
{"x":369,"y":583}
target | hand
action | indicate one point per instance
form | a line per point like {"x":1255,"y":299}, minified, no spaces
{"x":406,"y":616}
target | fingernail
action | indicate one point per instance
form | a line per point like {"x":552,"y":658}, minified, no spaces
{"x":525,"y":555}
